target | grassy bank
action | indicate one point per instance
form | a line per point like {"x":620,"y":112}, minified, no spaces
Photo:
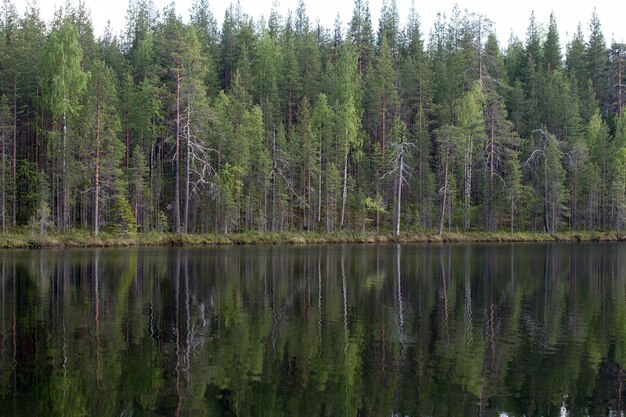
{"x":79,"y":239}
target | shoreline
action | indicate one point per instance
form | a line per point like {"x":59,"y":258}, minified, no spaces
{"x":81,"y":239}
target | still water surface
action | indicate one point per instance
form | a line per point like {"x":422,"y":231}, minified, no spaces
{"x":455,"y":330}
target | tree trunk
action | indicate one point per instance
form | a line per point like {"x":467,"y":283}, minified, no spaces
{"x":420,"y":168}
{"x":65,"y":192}
{"x":309,"y":210}
{"x":4,"y":176}
{"x":468,"y":185}
{"x":512,"y":212}
{"x":490,"y":215}
{"x":272,"y":213}
{"x":14,"y":162}
{"x":36,"y":127}
{"x":96,"y":190}
{"x":319,"y":191}
{"x":187,"y":168}
{"x":399,"y":195}
{"x":384,"y":122}
{"x":177,"y":157}
{"x":546,"y":221}
{"x":574,"y":205}
{"x":445,"y":194}
{"x":127,"y":143}
{"x":345,"y":187}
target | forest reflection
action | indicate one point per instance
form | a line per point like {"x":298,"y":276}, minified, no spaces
{"x":521,"y":329}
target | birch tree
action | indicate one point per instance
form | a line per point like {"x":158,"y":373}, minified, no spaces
{"x":346,"y":109}
{"x":64,"y":82}
{"x":471,"y":122}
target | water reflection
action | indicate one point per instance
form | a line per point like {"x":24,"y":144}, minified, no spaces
{"x":337,"y":331}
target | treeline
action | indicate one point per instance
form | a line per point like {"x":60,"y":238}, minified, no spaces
{"x":282,"y":124}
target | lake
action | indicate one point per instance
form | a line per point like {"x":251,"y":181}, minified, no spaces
{"x":385,"y":330}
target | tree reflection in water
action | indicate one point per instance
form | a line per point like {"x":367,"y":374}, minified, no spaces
{"x":329,"y":330}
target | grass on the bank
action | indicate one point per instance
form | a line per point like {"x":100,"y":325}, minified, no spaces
{"x":81,"y":238}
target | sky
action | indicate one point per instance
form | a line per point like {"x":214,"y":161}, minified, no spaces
{"x":508,"y":16}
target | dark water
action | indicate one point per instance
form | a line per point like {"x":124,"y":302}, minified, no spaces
{"x":461,"y":330}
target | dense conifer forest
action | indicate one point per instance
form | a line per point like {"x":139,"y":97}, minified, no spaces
{"x":190,"y":125}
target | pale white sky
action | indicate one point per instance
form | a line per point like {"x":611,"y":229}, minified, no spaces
{"x":509,"y":16}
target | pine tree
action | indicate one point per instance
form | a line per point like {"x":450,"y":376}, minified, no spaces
{"x":389,"y":27}
{"x":532,"y":53}
{"x":362,"y":35}
{"x":307,"y":146}
{"x":386,"y":94}
{"x":552,"y":48}
{"x":290,"y":79}
{"x":105,"y":150}
{"x":617,"y":75}
{"x":575,"y":61}
{"x":205,"y":24}
{"x":228,"y":48}
{"x":139,"y":38}
{"x":597,"y":59}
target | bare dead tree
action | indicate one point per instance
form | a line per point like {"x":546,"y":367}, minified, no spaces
{"x":551,"y":201}
{"x":398,"y":153}
{"x":280,"y":166}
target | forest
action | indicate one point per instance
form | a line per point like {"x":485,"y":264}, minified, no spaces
{"x":193,"y":126}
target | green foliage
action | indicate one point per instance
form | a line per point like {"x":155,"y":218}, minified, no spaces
{"x":285,"y":125}
{"x":123,"y":221}
{"x":63,"y":75}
